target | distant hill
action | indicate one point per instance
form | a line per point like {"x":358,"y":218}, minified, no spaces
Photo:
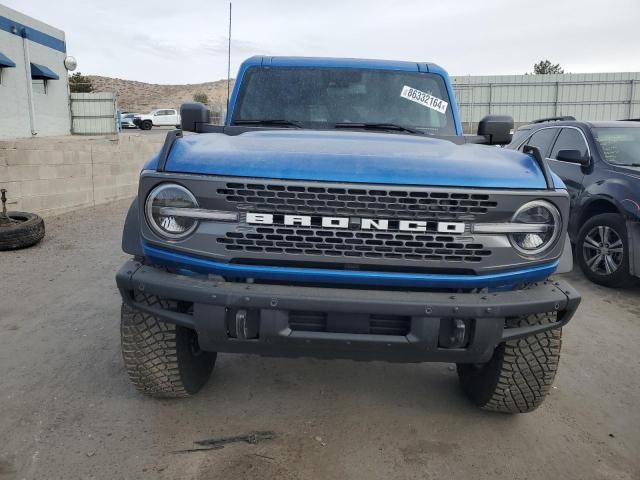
{"x":143,"y":97}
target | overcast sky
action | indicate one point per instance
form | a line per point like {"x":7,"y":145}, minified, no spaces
{"x":169,"y":41}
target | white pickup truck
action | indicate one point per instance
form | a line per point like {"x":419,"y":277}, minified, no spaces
{"x":157,"y":118}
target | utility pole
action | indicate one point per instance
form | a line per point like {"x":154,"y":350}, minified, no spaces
{"x":229,"y":60}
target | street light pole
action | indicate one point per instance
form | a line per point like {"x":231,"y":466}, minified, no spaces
{"x":229,"y":60}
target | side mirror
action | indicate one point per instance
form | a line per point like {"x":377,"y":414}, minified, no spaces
{"x":572,"y":156}
{"x":496,"y":129}
{"x":193,"y":114}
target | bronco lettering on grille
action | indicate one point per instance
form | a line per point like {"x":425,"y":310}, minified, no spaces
{"x":356,"y":223}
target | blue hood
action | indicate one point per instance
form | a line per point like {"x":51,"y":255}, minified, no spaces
{"x":354,"y":157}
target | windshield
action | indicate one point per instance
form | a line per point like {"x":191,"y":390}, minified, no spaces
{"x":324,"y":97}
{"x":619,"y":145}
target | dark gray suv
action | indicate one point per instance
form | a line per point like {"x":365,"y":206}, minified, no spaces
{"x":600,"y":165}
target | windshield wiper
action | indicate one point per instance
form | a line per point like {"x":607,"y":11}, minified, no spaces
{"x":269,"y":122}
{"x":378,"y":126}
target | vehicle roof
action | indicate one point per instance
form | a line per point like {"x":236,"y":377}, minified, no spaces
{"x":576,"y":123}
{"x":334,"y":62}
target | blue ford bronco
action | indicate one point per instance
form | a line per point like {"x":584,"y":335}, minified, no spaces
{"x":340,"y":212}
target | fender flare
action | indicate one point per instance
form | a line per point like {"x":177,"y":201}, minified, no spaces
{"x":131,"y":232}
{"x":566,"y":259}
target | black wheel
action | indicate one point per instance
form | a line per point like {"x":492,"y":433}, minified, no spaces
{"x":162,"y":360}
{"x":20,"y":230}
{"x":520,"y":372}
{"x":602,"y":249}
{"x":146,"y":125}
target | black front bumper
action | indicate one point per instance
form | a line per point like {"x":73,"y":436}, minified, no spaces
{"x":212,"y":307}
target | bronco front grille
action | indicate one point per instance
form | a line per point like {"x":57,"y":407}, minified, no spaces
{"x":352,"y":244}
{"x":376,"y":201}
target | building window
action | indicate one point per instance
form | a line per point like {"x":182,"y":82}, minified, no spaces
{"x":39,"y":85}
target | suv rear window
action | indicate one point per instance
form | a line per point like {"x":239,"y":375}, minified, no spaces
{"x":542,"y":139}
{"x":569,"y":139}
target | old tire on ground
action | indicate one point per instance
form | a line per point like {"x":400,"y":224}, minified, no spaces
{"x":146,"y":125}
{"x":162,"y":360}
{"x":602,"y":250}
{"x":23,"y":230}
{"x":520,"y":373}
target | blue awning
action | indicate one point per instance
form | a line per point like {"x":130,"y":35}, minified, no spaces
{"x":6,"y":61}
{"x":42,"y":73}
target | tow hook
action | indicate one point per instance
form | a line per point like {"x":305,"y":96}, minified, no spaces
{"x":453,"y":333}
{"x":243,"y":324}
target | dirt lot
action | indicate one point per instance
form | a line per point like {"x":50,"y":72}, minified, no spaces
{"x":67,"y":410}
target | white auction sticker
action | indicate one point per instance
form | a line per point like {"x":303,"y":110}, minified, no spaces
{"x":423,"y":98}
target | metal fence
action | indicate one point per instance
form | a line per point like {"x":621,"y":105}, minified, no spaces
{"x":94,"y":114}
{"x":594,"y":96}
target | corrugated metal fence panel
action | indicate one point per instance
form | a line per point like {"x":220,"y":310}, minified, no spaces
{"x":586,"y":96}
{"x":94,"y":114}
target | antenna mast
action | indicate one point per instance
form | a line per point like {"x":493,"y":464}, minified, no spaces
{"x":229,"y":60}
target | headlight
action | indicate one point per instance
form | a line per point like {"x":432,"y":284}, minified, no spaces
{"x":161,"y":206}
{"x":543,"y":225}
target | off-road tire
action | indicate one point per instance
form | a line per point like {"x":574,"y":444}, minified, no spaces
{"x":620,"y":277}
{"x":146,"y":125}
{"x":163,"y":360}
{"x":519,"y":374}
{"x":27,"y":231}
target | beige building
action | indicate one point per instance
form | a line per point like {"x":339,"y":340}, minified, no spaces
{"x":34,"y":88}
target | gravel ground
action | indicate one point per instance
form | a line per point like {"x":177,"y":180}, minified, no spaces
{"x":68,"y":411}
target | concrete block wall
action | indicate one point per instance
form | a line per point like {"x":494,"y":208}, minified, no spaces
{"x":58,"y":174}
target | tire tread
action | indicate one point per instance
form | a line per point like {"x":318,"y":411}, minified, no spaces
{"x":520,"y":374}
{"x":149,"y":350}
